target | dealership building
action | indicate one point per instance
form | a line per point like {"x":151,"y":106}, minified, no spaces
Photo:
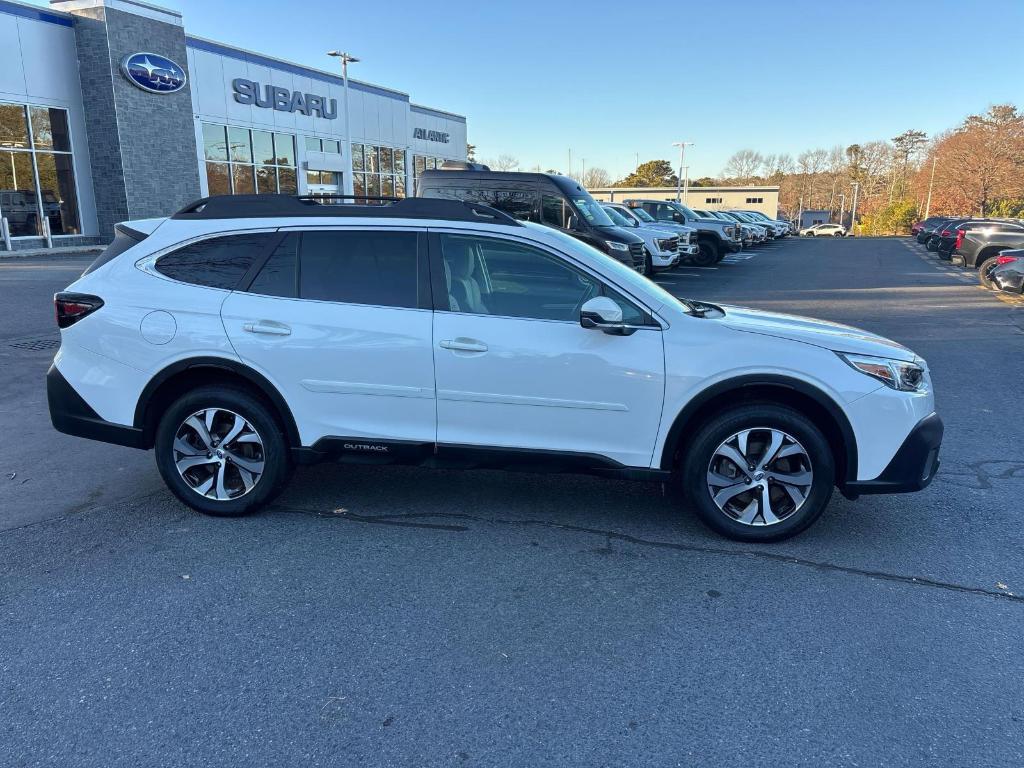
{"x":110,"y":111}
{"x":747,"y":198}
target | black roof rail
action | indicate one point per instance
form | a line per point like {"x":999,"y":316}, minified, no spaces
{"x":361,"y":206}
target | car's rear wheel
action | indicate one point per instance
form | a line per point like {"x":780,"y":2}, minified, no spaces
{"x":838,"y":234}
{"x":707,"y":255}
{"x":759,"y":472}
{"x":221,"y":451}
{"x":985,"y":272}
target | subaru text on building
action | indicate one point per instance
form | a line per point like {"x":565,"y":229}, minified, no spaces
{"x":243,"y":335}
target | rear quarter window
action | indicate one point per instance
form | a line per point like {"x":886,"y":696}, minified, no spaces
{"x":219,"y":262}
{"x":123,"y":240}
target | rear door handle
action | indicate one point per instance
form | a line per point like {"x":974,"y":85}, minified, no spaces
{"x":464,"y":345}
{"x":268,"y":327}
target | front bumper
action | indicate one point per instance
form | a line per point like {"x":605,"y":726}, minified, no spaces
{"x":912,"y":468}
{"x":1012,"y":282}
{"x":71,"y":415}
{"x":734,"y":246}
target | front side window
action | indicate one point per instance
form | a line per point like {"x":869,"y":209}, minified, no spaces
{"x":488,"y":276}
{"x":219,"y":262}
{"x":554,"y":211}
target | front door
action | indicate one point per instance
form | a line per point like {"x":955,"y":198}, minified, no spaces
{"x":514,"y":368}
{"x":324,"y":184}
{"x":339,"y":320}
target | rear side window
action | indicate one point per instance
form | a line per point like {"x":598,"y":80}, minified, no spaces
{"x":123,"y":240}
{"x":219,"y":262}
{"x":352,"y":267}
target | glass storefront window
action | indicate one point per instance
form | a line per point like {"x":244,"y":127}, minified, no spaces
{"x":357,"y":159}
{"x":246,"y":162}
{"x":240,"y":145}
{"x":57,"y":190}
{"x":400,"y":162}
{"x":218,"y":178}
{"x":215,"y":143}
{"x":37,"y":172}
{"x":332,"y":147}
{"x":387,"y":186}
{"x":13,"y":127}
{"x":50,"y":129}
{"x":387,"y":160}
{"x":287,"y":181}
{"x":263,"y":147}
{"x":284,"y":148}
{"x":18,"y":194}
{"x":370,"y":161}
{"x":373,"y":185}
{"x":312,"y":144}
{"x":359,"y":184}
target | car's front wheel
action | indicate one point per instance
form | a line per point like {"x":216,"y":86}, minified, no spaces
{"x":707,"y":255}
{"x":221,"y":451}
{"x":759,"y":472}
{"x":648,"y":264}
{"x":838,"y":234}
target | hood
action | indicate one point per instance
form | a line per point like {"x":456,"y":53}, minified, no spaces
{"x":821,"y":333}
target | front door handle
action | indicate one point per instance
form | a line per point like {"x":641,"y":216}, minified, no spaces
{"x":268,"y":327}
{"x":464,"y":345}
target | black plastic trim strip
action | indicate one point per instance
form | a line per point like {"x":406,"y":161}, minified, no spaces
{"x":70,"y":414}
{"x":912,"y":468}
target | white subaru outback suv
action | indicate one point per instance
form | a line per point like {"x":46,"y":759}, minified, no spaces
{"x":246,"y":334}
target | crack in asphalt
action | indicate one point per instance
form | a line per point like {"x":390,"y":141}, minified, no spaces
{"x":408,"y":520}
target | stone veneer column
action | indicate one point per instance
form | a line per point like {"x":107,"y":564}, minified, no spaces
{"x":142,"y":145}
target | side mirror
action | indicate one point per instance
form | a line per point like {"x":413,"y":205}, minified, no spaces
{"x":605,"y":315}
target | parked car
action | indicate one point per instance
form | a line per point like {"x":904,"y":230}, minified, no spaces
{"x":947,"y":236}
{"x":752,"y":234}
{"x":920,"y":226}
{"x":20,"y":208}
{"x":252,"y":333}
{"x":824,"y":230}
{"x":687,"y":235}
{"x":661,"y":247}
{"x":930,"y":225}
{"x":547,"y":198}
{"x":748,"y":235}
{"x":715,"y":238}
{"x":978,"y":247}
{"x":746,"y":218}
{"x":1007,"y":274}
{"x":780,"y":228}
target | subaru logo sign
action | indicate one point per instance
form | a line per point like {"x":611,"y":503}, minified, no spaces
{"x":153,"y":73}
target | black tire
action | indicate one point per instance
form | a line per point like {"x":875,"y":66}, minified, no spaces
{"x":648,"y":264}
{"x":985,"y":272}
{"x":259,"y":414}
{"x":693,"y":472}
{"x":708,"y":253}
{"x":838,"y":234}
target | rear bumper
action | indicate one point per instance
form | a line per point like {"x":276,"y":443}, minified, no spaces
{"x":71,"y":415}
{"x":912,"y":468}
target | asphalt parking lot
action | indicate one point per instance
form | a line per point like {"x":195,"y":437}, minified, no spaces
{"x":410,"y":617}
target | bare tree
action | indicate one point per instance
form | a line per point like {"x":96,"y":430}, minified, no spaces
{"x":743,"y":165}
{"x":595,"y":178}
{"x":504,"y":162}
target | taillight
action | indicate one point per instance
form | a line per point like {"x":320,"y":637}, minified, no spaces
{"x":72,"y":307}
{"x":945,"y":233}
{"x":960,"y":237}
{"x":1006,"y":259}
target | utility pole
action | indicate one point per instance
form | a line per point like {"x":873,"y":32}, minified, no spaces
{"x":686,"y":183}
{"x":842,"y":208}
{"x":583,"y":169}
{"x":931,"y":183}
{"x":346,"y":59}
{"x":569,"y":171}
{"x":853,"y":210}
{"x":682,"y":159}
{"x":800,"y":215}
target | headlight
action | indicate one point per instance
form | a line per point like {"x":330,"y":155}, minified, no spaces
{"x":906,"y":377}
{"x":616,"y":246}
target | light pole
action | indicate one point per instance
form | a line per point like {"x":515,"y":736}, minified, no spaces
{"x":842,"y":207}
{"x":853,"y":210}
{"x":686,"y":183}
{"x":346,"y":59}
{"x":682,"y":159}
{"x":931,"y":183}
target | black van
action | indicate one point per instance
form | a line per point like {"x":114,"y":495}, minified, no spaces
{"x":545,"y":198}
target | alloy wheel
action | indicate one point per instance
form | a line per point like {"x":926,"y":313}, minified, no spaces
{"x":760,"y":476}
{"x":219,"y":454}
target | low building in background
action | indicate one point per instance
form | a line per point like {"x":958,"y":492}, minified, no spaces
{"x":811,"y":217}
{"x":747,"y":198}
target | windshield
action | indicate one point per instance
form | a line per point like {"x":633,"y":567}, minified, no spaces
{"x":688,"y":212}
{"x":592,"y":211}
{"x":641,"y":214}
{"x":618,"y":219}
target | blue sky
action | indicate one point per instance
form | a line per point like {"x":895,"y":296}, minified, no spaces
{"x":609,"y":80}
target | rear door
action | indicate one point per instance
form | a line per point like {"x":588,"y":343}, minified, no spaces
{"x":339,"y":319}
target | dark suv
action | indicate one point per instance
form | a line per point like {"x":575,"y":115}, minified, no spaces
{"x":545,"y":198}
{"x":974,"y":246}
